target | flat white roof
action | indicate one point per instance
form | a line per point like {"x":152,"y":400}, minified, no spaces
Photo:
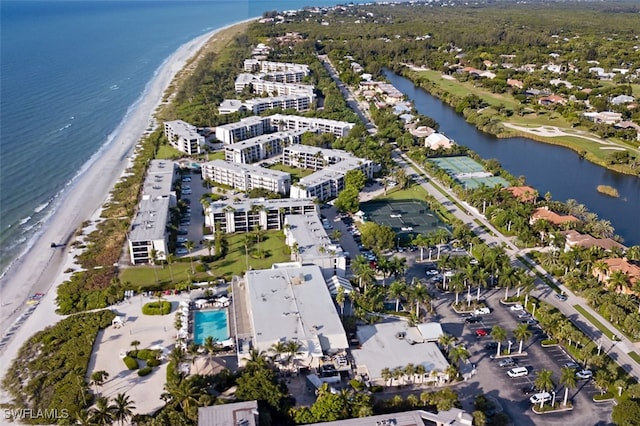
{"x":334,"y":171}
{"x":294,"y":304}
{"x":380,"y":348}
{"x":183,"y":129}
{"x":267,"y":203}
{"x":308,"y":232}
{"x":150,"y":222}
{"x":257,"y":140}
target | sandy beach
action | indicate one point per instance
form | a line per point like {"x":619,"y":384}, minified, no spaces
{"x":41,"y":269}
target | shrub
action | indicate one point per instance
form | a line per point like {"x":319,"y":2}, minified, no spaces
{"x":376,"y":388}
{"x":144,"y":371}
{"x":146,"y":354}
{"x":131,"y":363}
{"x":133,"y":354}
{"x":356,"y":385}
{"x":157,"y":308}
{"x":153,"y":362}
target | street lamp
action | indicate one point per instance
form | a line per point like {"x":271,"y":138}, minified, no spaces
{"x":553,"y":402}
{"x":533,"y":314}
{"x":510,"y":343}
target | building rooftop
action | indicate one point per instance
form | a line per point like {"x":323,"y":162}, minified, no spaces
{"x":184,"y":129}
{"x":552,"y":217}
{"x":151,"y":220}
{"x":293,"y":303}
{"x":523,"y":193}
{"x":159,"y":179}
{"x":247,"y":121}
{"x":326,"y":152}
{"x":575,"y":238}
{"x":308,"y":232}
{"x":264,"y":138}
{"x":381,"y":347}
{"x":334,"y":171}
{"x":248,"y":169}
{"x":233,"y":414}
{"x":452,"y":417}
{"x":245,"y":78}
{"x":267,"y":203}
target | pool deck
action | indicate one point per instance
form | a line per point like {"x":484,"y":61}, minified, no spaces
{"x":149,"y":330}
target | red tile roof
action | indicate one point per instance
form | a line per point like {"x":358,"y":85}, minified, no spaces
{"x":523,"y":193}
{"x":552,"y":217}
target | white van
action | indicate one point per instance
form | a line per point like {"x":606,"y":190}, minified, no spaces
{"x":518,"y":372}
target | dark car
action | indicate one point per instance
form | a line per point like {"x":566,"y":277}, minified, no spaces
{"x":562,"y":297}
{"x":472,"y":320}
{"x":529,"y":390}
{"x":491,"y":346}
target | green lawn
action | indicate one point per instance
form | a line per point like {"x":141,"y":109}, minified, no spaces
{"x":594,"y":321}
{"x":216,"y":155}
{"x":234,"y":263}
{"x":167,"y":152}
{"x":634,"y":356}
{"x":296,"y":173}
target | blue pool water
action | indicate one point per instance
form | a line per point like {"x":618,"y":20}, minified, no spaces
{"x":210,"y":323}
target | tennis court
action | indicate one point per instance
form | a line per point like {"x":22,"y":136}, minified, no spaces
{"x":404,"y":217}
{"x":468,"y":172}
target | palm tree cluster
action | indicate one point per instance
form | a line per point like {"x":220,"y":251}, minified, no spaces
{"x":104,"y":413}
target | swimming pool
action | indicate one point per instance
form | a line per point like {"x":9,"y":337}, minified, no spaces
{"x":210,"y":323}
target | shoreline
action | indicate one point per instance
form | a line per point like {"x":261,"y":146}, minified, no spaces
{"x":40,"y":268}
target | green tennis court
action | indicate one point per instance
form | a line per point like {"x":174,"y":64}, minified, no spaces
{"x":468,"y":172}
{"x":404,"y":217}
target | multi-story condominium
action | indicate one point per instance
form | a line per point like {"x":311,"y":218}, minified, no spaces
{"x":255,"y":126}
{"x":246,"y":128}
{"x":148,"y":236}
{"x":183,"y":136}
{"x":309,"y":243}
{"x":246,"y":177}
{"x":331,"y":166}
{"x":320,"y":125}
{"x":246,"y":215}
{"x":254,"y":65}
{"x":260,"y":105}
{"x":273,"y":87}
{"x":261,"y":147}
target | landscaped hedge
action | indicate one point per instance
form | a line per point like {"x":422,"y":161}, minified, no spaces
{"x":157,"y":308}
{"x":153,"y":362}
{"x":147,"y":354}
{"x":144,"y":371}
{"x":131,"y":363}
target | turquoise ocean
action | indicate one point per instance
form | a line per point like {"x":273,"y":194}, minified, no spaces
{"x":70,"y":72}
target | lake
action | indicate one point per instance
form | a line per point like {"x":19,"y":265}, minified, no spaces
{"x":548,"y":168}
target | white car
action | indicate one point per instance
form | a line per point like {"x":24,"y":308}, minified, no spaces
{"x":482,"y":311}
{"x":584,"y":374}
{"x":540,"y":397}
{"x":518,"y":372}
{"x":517,"y":307}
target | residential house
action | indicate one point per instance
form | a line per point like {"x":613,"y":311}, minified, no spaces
{"x":576,"y":239}
{"x":543,"y":213}
{"x":525,"y":194}
{"x":631,"y":270}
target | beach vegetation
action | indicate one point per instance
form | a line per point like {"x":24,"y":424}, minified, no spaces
{"x":156,"y":308}
{"x":49,"y":370}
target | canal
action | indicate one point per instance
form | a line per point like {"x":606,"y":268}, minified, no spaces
{"x":548,"y":168}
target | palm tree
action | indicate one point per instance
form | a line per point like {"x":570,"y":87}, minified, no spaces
{"x":386,"y":375}
{"x":446,"y":340}
{"x":362,"y":269}
{"x":211,"y":346}
{"x":544,"y":381}
{"x":122,"y":408}
{"x":209,"y":244}
{"x":101,"y":414}
{"x":177,"y":356}
{"x":396,"y":290}
{"x":508,"y":278}
{"x":420,"y":371}
{"x":340,"y":298}
{"x":568,"y":379}
{"x":384,"y":266}
{"x":452,"y":371}
{"x":293,"y":346}
{"x":98,"y":378}
{"x":410,"y":371}
{"x":135,"y":344}
{"x":522,"y":333}
{"x":498,"y":334}
{"x":458,"y":353}
{"x":398,"y":266}
{"x":457,"y":285}
{"x":192,"y":350}
{"x":602,"y":381}
{"x":190,"y":245}
{"x":187,"y":395}
{"x":419,"y":294}
{"x":421,"y":241}
{"x":170,"y":259}
{"x":257,"y":360}
{"x":278,"y":349}
{"x":618,"y":280}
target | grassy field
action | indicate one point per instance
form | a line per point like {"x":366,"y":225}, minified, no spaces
{"x":234,"y":263}
{"x":296,"y":173}
{"x":216,"y":155}
{"x":167,"y":152}
{"x":414,"y":192}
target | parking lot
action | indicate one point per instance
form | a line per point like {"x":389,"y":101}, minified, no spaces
{"x":513,"y":393}
{"x":192,"y":218}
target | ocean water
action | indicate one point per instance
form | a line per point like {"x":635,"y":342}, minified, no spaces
{"x":69,"y":73}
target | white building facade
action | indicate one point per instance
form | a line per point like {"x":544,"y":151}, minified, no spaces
{"x":184,"y":137}
{"x":246,"y":177}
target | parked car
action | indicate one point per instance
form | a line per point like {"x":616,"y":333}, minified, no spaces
{"x":182,"y":231}
{"x":517,"y":307}
{"x":540,"y":398}
{"x":507,"y":362}
{"x":181,"y":240}
{"x":482,"y":311}
{"x":491,"y":346}
{"x":524,"y":315}
{"x":481,"y":332}
{"x":529,"y":389}
{"x":529,"y":321}
{"x":518,"y":372}
{"x":181,"y":250}
{"x":562,"y":297}
{"x":584,"y":374}
{"x":572,"y":365}
{"x":472,"y":320}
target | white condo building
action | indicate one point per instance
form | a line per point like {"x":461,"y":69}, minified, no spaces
{"x":246,"y":177}
{"x":257,"y":85}
{"x":332,"y":166}
{"x":291,"y":302}
{"x":261,"y":147}
{"x":255,"y":65}
{"x":255,"y":126}
{"x":259,"y":105}
{"x":245,"y":215}
{"x":148,"y":234}
{"x":307,"y":237}
{"x":184,"y":137}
